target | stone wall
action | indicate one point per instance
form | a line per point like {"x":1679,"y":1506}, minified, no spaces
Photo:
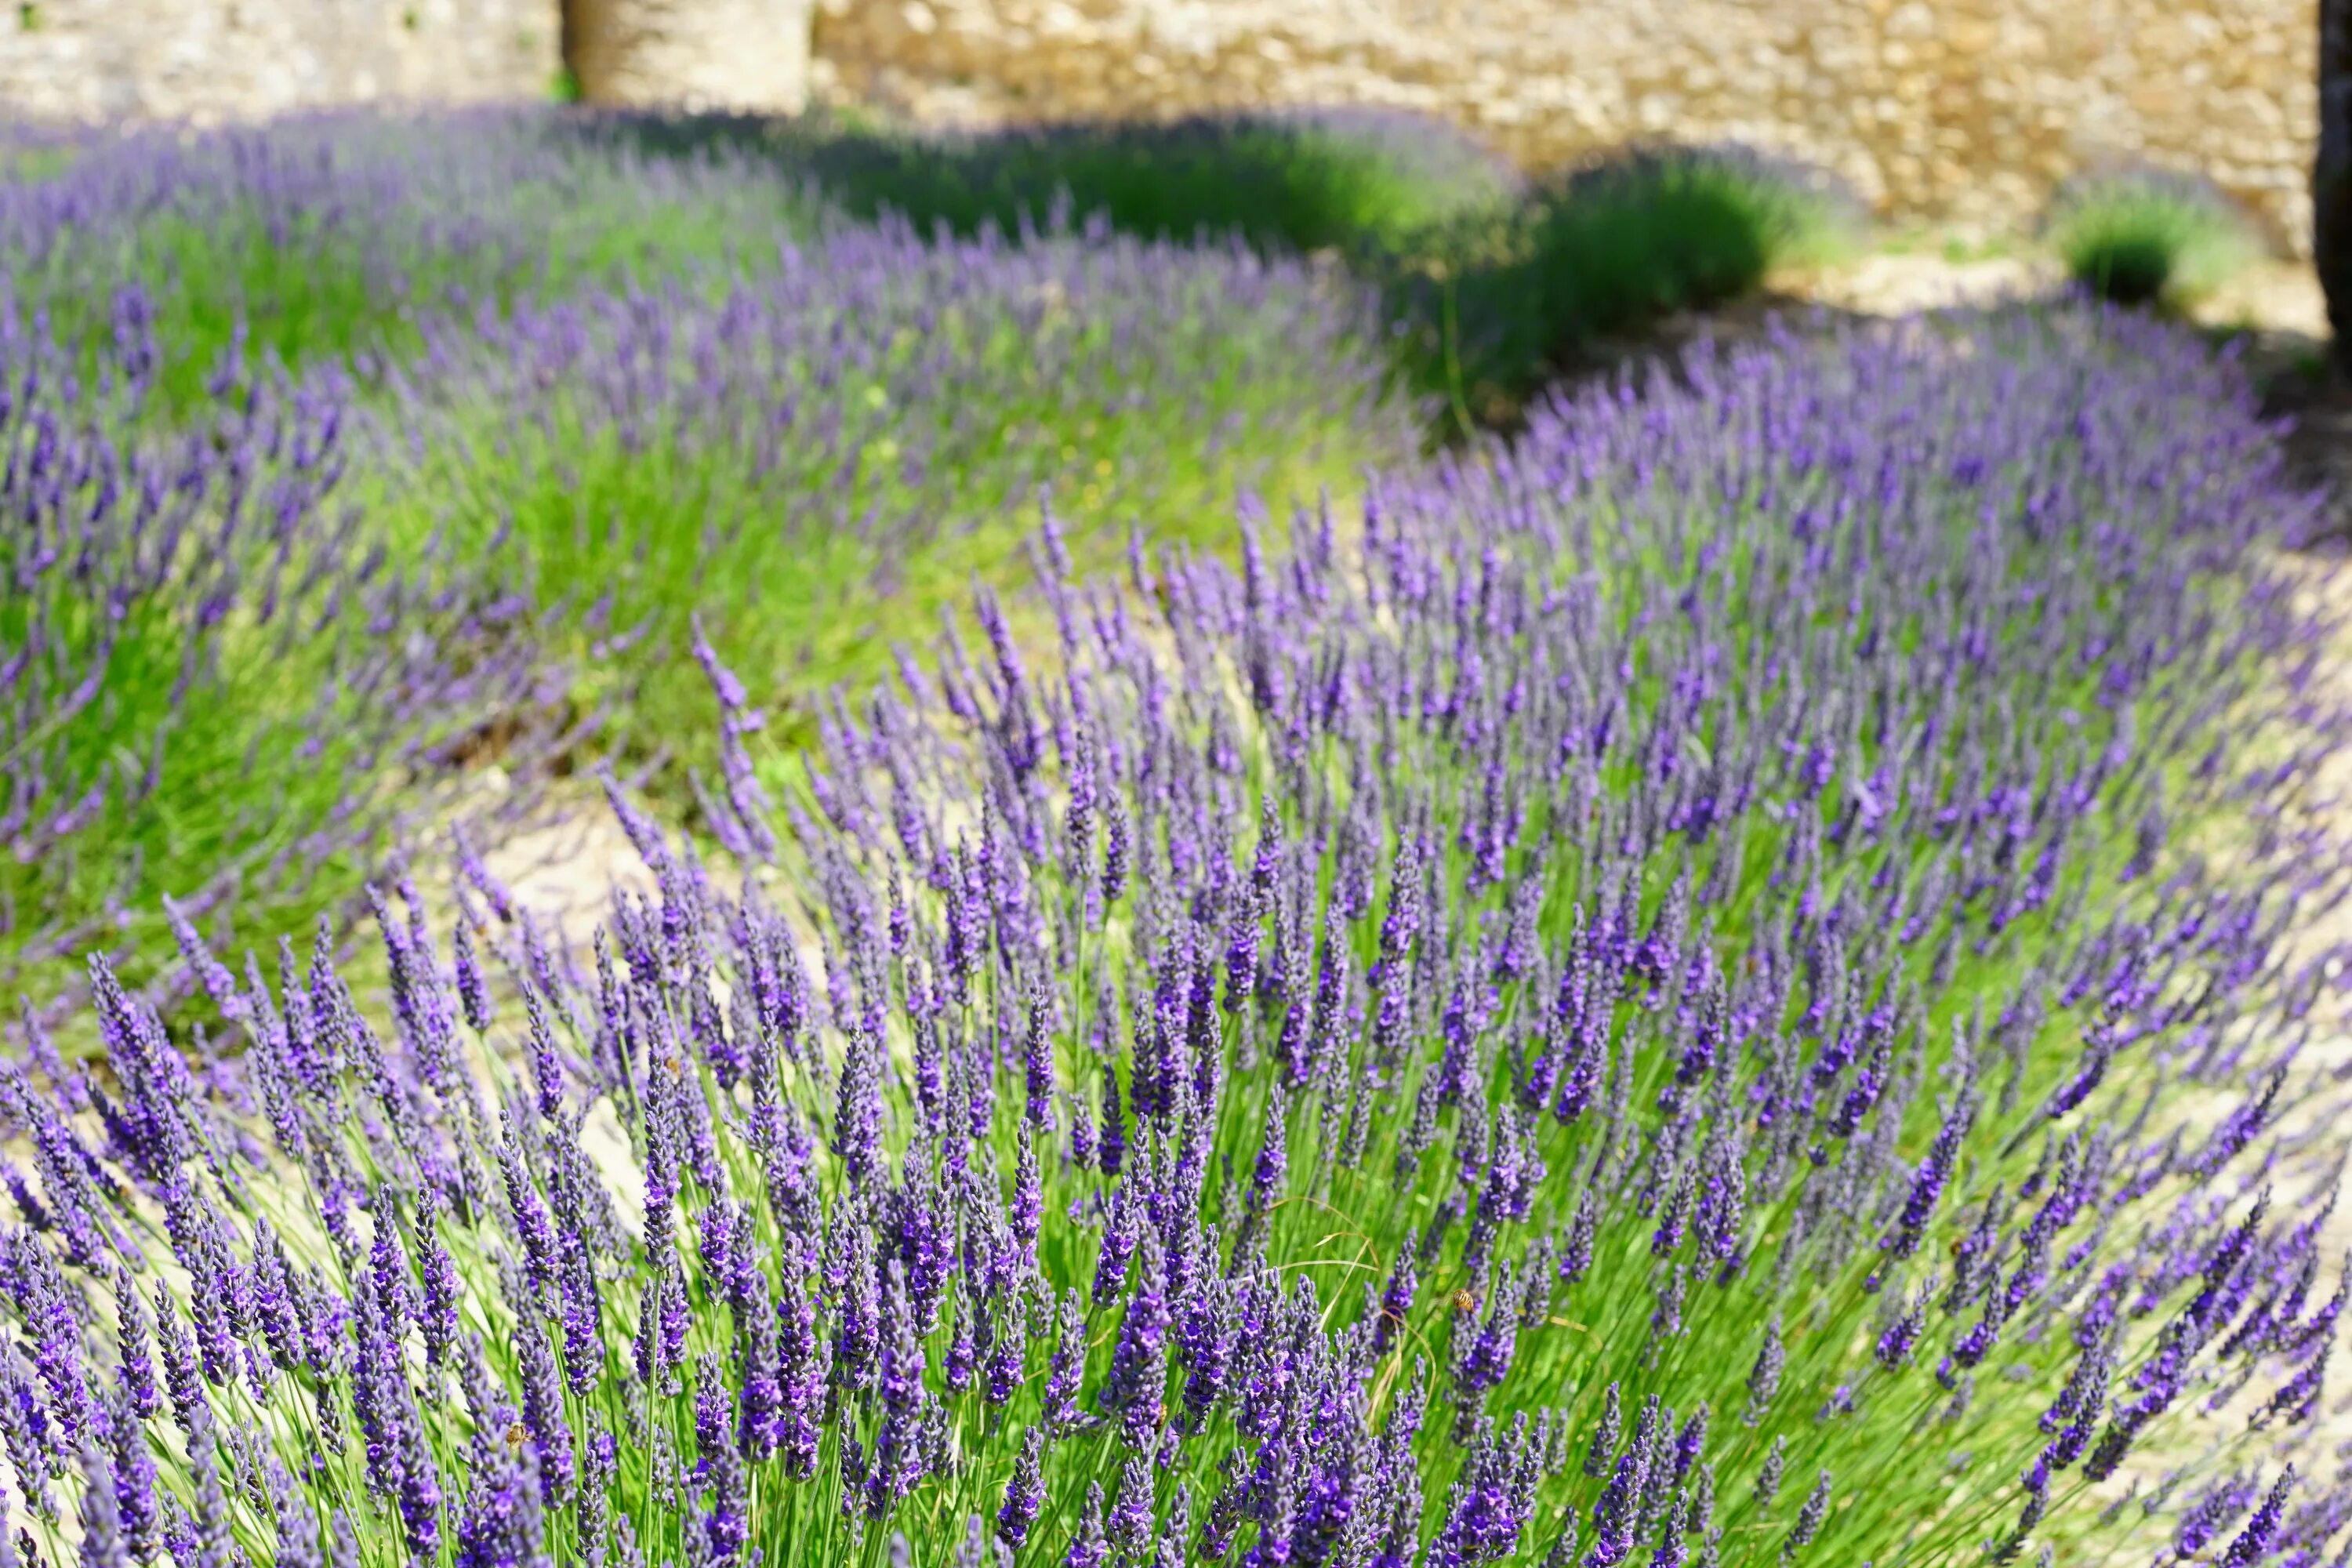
{"x":83,"y":59}
{"x":701,"y":54}
{"x":204,"y":59}
{"x":1956,"y":111}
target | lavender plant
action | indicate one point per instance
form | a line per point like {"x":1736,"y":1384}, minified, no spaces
{"x":1603,"y":251}
{"x":1637,"y":1011}
{"x":213,"y":687}
{"x":330,"y":238}
{"x":831,"y":450}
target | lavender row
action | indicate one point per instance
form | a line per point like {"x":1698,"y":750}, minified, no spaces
{"x":1644,"y":1007}
{"x":216,"y":685}
{"x":333,"y":238}
{"x":812,"y":464}
{"x":273,"y":625}
{"x":1757,"y":825}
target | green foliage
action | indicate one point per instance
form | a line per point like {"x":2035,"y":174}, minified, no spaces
{"x":258,"y":750}
{"x":1497,"y":299}
{"x":1631,"y":239}
{"x":1353,"y":181}
{"x":1489,"y":286}
{"x":815,"y":468}
{"x":2148,"y":238}
{"x":218,"y":691}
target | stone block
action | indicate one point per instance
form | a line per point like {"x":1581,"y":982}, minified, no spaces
{"x":699,"y":54}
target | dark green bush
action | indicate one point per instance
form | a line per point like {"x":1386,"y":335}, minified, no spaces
{"x":1353,"y":180}
{"x":1495,"y":302}
{"x":1621,"y":243}
{"x":2149,"y":236}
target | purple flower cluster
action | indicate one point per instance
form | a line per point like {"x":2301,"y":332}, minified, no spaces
{"x":1624,"y":1013}
{"x":210,"y":673}
{"x":329,"y":236}
{"x":797,"y":466}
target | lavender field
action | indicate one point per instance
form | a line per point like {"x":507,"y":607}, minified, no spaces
{"x":1266,"y":941}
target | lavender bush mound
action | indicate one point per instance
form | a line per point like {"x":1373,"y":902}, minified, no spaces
{"x":828,"y":452}
{"x":1641,"y":1012}
{"x":214,"y":688}
{"x":332,"y":237}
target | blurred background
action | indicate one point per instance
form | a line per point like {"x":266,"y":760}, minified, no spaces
{"x":1967,"y":111}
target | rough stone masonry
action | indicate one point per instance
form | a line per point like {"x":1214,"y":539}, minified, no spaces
{"x":209,"y":59}
{"x":1965,"y":111}
{"x":1959,"y":110}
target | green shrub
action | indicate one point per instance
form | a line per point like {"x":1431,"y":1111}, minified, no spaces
{"x":2147,"y":238}
{"x":1622,"y":242}
{"x":1353,"y":180}
{"x":1604,"y":251}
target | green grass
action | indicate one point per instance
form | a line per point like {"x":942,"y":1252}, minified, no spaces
{"x":1957,"y":246}
{"x":2149,"y":238}
{"x":850,"y":462}
{"x":34,"y":162}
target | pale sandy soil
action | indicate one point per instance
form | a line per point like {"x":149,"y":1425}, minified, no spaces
{"x":1895,"y":283}
{"x":2276,"y":297}
{"x":2272,"y":299}
{"x":565,"y":874}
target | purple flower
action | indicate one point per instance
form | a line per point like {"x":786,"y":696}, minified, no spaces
{"x":1273,"y":1158}
{"x":1067,"y":1365}
{"x":1138,"y":1354}
{"x":1130,"y":1525}
{"x":2253,"y":1541}
{"x":1024,"y":1493}
{"x":1089,"y":1547}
